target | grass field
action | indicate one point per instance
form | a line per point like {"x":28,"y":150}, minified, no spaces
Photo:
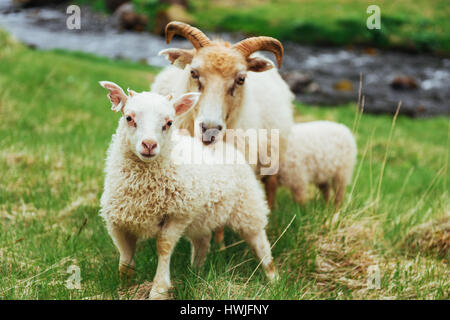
{"x":417,"y":25}
{"x":55,"y":127}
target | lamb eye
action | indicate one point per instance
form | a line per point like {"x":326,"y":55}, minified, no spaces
{"x":167,"y":125}
{"x":130,"y":121}
{"x":195,"y":74}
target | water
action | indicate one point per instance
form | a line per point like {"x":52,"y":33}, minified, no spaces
{"x":45,"y":28}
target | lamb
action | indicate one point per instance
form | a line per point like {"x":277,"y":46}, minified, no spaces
{"x":240,"y":90}
{"x":149,"y":192}
{"x":318,"y":152}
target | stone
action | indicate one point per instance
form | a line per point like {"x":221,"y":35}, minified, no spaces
{"x":421,"y":108}
{"x":175,"y":12}
{"x":129,"y":19}
{"x":369,"y":51}
{"x":313,"y":87}
{"x":343,"y":85}
{"x":404,"y":83}
{"x":33,"y":3}
{"x":112,"y":5}
{"x":298,"y":81}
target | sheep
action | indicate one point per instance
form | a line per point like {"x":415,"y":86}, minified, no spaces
{"x":239,"y":91}
{"x":149,"y":193}
{"x":318,"y":152}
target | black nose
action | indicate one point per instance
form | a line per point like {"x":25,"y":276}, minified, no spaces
{"x":205,"y":127}
{"x":210,"y":133}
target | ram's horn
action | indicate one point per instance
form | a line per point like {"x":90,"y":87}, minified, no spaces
{"x":250,"y":45}
{"x":194,"y":35}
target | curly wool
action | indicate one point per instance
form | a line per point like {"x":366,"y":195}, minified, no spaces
{"x":138,"y":196}
{"x":318,"y":152}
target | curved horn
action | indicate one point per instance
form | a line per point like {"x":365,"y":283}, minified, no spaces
{"x":194,"y":35}
{"x":250,"y":45}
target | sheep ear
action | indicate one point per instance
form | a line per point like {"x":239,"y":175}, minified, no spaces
{"x":259,"y":64}
{"x":116,"y":95}
{"x":186,"y":102}
{"x":131,"y":92}
{"x":178,"y":57}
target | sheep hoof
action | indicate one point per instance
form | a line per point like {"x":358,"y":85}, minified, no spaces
{"x":156,"y":294}
{"x":126,"y":270}
{"x":272,"y":273}
{"x":273,"y":276}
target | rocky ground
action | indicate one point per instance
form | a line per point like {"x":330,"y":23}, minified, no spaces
{"x":318,"y":75}
{"x":330,"y":76}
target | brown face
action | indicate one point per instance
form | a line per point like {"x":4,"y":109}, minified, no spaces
{"x":219,"y":73}
{"x":218,"y":70}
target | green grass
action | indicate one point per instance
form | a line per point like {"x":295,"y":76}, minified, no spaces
{"x":418,"y":25}
{"x":415,"y":25}
{"x":56,"y":125}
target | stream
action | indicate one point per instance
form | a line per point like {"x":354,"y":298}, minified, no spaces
{"x":318,"y":75}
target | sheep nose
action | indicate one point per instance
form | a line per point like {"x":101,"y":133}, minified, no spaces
{"x":210,"y":133}
{"x":206,"y":127}
{"x":149,"y":146}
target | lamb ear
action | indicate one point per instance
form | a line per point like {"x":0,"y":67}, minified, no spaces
{"x":259,"y":64}
{"x":178,"y":57}
{"x":116,"y":95}
{"x":131,"y":92}
{"x":186,"y":102}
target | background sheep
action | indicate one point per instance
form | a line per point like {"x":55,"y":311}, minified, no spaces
{"x":148,"y":194}
{"x":321,"y":153}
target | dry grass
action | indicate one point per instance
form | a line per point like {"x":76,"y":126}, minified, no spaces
{"x":139,"y":291}
{"x":347,"y":256}
{"x":431,"y":238}
{"x":344,"y":256}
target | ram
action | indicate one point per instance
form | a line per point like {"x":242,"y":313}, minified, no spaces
{"x":240,"y":90}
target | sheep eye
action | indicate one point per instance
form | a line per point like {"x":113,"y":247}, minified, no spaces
{"x":167,"y":125}
{"x":130,"y":121}
{"x":195,"y":74}
{"x":240,"y":80}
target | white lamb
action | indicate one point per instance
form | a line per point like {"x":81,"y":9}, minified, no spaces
{"x":149,"y":194}
{"x":321,"y":153}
